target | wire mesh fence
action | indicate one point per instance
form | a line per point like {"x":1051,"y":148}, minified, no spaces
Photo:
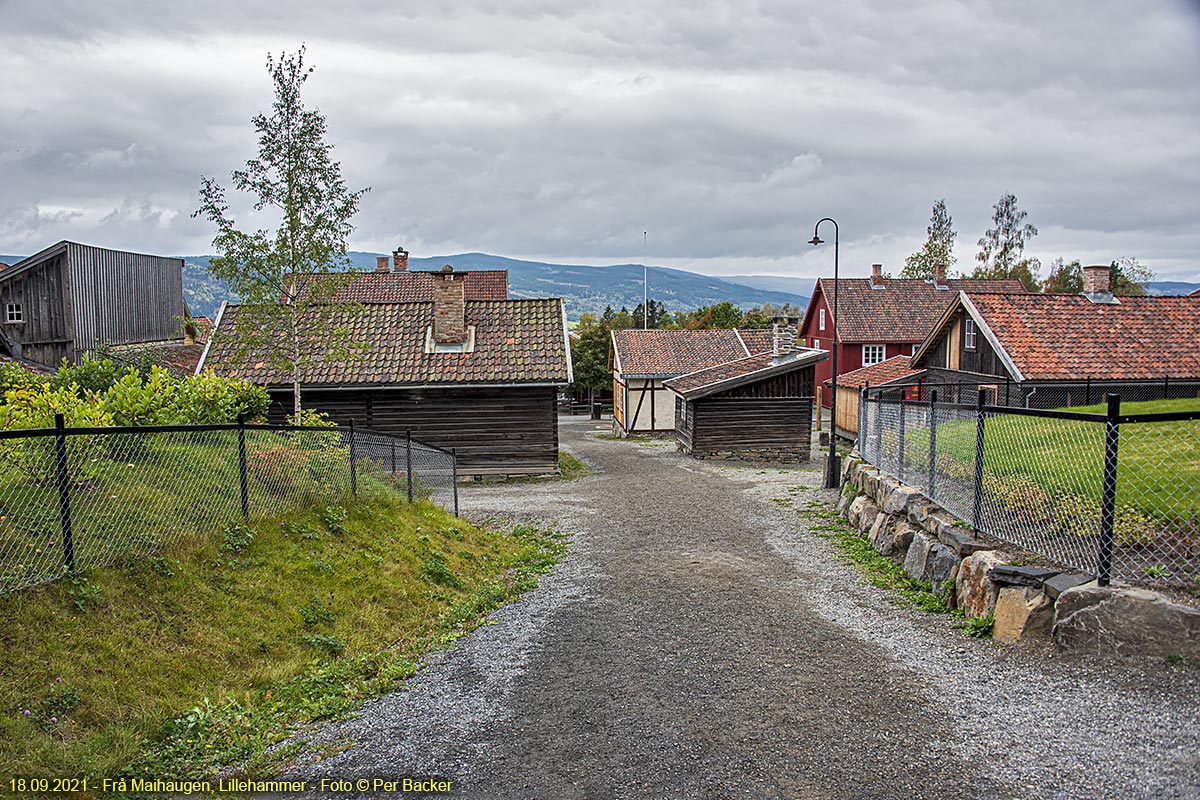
{"x":76,"y":498}
{"x":1115,"y":496}
{"x":964,"y":388}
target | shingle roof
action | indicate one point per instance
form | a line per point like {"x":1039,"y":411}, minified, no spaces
{"x":413,"y":286}
{"x":743,"y":370}
{"x":899,"y":309}
{"x":177,"y":358}
{"x":894,"y":369}
{"x":516,"y":341}
{"x":1068,"y":337}
{"x":657,"y":352}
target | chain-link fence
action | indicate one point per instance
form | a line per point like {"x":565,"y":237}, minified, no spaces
{"x":964,"y":388}
{"x":1112,"y":495}
{"x":75,"y":498}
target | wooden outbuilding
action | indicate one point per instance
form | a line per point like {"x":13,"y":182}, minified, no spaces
{"x":70,"y":298}
{"x":757,"y":407}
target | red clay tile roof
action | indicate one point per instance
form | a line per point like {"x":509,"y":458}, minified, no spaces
{"x":744,"y":370}
{"x":901,"y":310}
{"x":516,"y":341}
{"x":895,"y":368}
{"x":204,"y":328}
{"x":414,"y":286}
{"x":669,"y":353}
{"x":1068,"y":337}
{"x":175,"y":357}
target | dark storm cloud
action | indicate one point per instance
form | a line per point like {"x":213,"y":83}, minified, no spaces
{"x":538,"y":129}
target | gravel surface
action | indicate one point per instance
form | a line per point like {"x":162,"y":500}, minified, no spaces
{"x":699,"y":642}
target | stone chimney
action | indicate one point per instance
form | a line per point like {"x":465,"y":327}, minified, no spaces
{"x":399,"y":260}
{"x":383,"y":264}
{"x":783,"y":335}
{"x":1096,"y":286}
{"x":449,"y":306}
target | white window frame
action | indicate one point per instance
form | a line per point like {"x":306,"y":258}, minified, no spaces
{"x":875,"y":349}
{"x":816,"y":344}
{"x":14,"y":313}
{"x":970,"y":334}
{"x":821,"y":319}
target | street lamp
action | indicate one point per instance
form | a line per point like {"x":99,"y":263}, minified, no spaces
{"x":833,"y":466}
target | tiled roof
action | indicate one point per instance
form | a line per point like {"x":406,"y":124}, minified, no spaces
{"x":1068,"y":337}
{"x":29,"y":366}
{"x":413,"y":286}
{"x":900,"y":309}
{"x":894,"y":369}
{"x":204,"y":328}
{"x":657,"y":352}
{"x":516,"y":341}
{"x":742,"y":371}
{"x":175,"y":357}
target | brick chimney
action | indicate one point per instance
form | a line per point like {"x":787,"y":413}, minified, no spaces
{"x":399,"y":260}
{"x":449,"y":307}
{"x":1096,"y":285}
{"x":939,"y":274}
{"x":783,"y":335}
{"x":877,"y":275}
{"x":383,"y":264}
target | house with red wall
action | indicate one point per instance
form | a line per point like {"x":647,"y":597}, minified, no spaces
{"x":882,"y":317}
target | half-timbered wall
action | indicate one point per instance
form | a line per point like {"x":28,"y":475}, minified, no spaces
{"x":511,"y":430}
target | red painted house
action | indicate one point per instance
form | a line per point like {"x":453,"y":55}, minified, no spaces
{"x":882,"y":317}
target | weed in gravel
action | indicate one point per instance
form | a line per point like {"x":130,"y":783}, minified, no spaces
{"x":571,"y":468}
{"x":978,"y":627}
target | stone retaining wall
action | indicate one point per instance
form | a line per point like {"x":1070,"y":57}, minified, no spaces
{"x":1080,"y":616}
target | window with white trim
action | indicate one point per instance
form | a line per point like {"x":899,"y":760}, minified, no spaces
{"x":816,"y":344}
{"x":821,"y":318}
{"x":969,"y":333}
{"x":14,"y":313}
{"x":872,"y":354}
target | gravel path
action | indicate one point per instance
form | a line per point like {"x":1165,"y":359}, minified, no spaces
{"x":698,"y":642}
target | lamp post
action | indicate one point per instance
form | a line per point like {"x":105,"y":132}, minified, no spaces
{"x":833,"y":466}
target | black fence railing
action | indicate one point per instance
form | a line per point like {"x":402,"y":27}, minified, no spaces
{"x":74,"y":498}
{"x":1113,"y":495}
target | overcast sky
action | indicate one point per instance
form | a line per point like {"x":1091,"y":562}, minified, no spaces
{"x":560,"y":130}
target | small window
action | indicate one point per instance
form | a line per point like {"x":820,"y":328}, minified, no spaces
{"x":872,"y":354}
{"x":14,"y":313}
{"x":817,"y":344}
{"x":969,"y":334}
{"x":821,"y":317}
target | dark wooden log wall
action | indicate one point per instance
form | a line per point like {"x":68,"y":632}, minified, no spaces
{"x":510,"y":430}
{"x":983,"y":358}
{"x":739,"y":424}
{"x":46,"y":335}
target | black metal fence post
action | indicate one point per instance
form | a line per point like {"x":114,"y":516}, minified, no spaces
{"x":1108,"y":500}
{"x":64,"y":493}
{"x":454,"y":476}
{"x":392,"y":439}
{"x":932,"y":440}
{"x":1166,"y":386}
{"x":878,"y":430}
{"x":900,"y":460}
{"x":977,"y":507}
{"x":241,"y":421}
{"x":408,"y":461}
{"x":862,"y":420}
{"x":353,"y":462}
{"x":1087,"y":391}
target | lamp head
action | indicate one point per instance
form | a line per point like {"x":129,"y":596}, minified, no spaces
{"x":816,"y":240}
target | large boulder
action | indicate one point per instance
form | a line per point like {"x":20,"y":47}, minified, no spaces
{"x":917,"y":557}
{"x":1021,"y":612}
{"x":1120,"y":621}
{"x":899,"y":498}
{"x":902,"y":538}
{"x":941,"y":565}
{"x":861,"y":506}
{"x":975,"y":591}
{"x":881,"y":529}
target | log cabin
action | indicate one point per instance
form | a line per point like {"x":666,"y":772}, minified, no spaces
{"x":759,"y":407}
{"x":479,"y":376}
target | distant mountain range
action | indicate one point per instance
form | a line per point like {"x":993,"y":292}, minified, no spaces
{"x":584,"y":288}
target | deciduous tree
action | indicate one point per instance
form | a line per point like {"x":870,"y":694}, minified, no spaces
{"x":1002,"y":248}
{"x":938,"y":248}
{"x":282,"y":272}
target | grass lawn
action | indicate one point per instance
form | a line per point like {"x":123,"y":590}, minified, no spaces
{"x":1158,"y":469}
{"x":206,"y":653}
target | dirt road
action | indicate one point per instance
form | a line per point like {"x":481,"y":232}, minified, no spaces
{"x":699,"y":642}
